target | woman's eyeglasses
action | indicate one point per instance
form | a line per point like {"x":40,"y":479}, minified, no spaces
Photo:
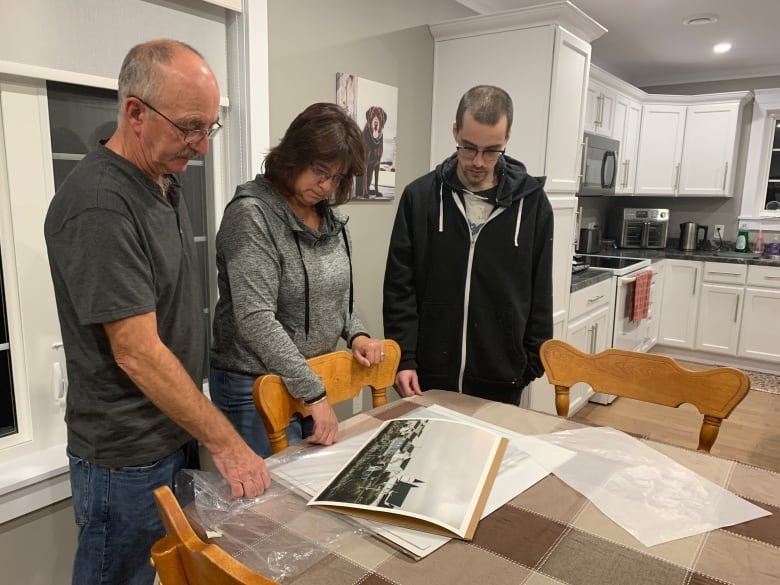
{"x":488,"y":154}
{"x":324,"y":175}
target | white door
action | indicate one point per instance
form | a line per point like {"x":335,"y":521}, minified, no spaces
{"x":708,"y":150}
{"x":571,"y":63}
{"x":660,"y":149}
{"x":760,"y":335}
{"x":680,"y":303}
{"x":717,"y":328}
{"x":628,"y":117}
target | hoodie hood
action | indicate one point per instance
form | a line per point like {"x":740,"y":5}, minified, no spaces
{"x":272,"y":200}
{"x":514,"y":182}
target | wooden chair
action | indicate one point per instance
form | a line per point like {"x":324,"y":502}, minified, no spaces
{"x":646,"y":377}
{"x":343,"y":378}
{"x":182,"y":558}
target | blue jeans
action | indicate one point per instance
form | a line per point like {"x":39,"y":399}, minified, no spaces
{"x":117,"y":518}
{"x":232,"y":393}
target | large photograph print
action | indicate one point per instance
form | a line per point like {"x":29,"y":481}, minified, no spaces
{"x":374,"y":106}
{"x":429,"y":474}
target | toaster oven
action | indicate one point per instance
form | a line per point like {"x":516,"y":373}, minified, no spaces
{"x":639,"y":228}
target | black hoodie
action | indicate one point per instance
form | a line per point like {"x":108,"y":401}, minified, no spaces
{"x":503,"y":276}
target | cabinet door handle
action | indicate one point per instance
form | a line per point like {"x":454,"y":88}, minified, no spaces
{"x":736,"y":308}
{"x":677,"y":177}
{"x":625,"y":172}
{"x":595,"y":336}
{"x":584,"y":157}
{"x":695,"y":278}
{"x":725,"y":174}
{"x":594,"y":299}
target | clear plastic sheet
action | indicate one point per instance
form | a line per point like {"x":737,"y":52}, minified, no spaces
{"x":268,"y":534}
{"x":650,"y":495}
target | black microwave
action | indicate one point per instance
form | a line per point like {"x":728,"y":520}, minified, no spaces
{"x":599,"y":165}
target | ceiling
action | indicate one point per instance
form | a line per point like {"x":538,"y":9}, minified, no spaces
{"x":647,"y":43}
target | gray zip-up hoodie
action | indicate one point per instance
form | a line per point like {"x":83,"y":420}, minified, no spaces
{"x":284,"y":289}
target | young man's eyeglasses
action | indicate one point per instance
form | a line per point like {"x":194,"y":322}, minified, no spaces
{"x":191,"y":135}
{"x":488,"y":154}
{"x":324,"y":175}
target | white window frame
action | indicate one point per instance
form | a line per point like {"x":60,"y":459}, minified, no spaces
{"x":766,"y":114}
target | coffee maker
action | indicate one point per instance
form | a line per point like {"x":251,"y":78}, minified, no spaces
{"x":689,"y":236}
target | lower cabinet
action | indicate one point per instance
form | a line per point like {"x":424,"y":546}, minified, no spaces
{"x":680,"y":303}
{"x":760,"y":334}
{"x":720,"y":307}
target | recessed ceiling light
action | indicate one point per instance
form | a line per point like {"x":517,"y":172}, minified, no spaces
{"x":700,"y":19}
{"x":722,"y":48}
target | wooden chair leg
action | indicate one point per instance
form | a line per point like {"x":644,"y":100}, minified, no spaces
{"x":167,"y":562}
{"x":709,"y":432}
{"x":378,"y":396}
{"x":562,"y":400}
{"x":278,"y":440}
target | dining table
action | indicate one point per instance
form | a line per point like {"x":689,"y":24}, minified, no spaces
{"x":550,"y":534}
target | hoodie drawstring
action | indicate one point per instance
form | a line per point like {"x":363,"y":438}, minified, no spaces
{"x":305,"y":286}
{"x":349,"y":258}
{"x":306,"y":279}
{"x":441,"y":207}
{"x":517,"y":223}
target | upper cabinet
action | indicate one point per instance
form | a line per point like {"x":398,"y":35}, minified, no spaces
{"x":628,"y":117}
{"x":600,"y":109}
{"x":670,"y":145}
{"x":689,"y":150}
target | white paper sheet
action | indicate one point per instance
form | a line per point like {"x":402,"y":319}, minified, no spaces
{"x":313,"y":469}
{"x":650,"y":495}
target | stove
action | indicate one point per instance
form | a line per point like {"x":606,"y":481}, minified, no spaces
{"x":618,"y":265}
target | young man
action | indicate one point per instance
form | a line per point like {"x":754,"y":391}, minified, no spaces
{"x":468,"y":282}
{"x":124,"y":270}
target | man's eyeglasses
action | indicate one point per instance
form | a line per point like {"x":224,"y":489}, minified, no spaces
{"x":191,"y":135}
{"x":488,"y":154}
{"x":323,"y":175}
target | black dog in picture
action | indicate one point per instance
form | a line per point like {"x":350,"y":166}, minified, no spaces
{"x":372,"y":140}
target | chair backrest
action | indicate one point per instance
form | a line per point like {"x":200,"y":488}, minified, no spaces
{"x":647,"y":377}
{"x":182,"y":558}
{"x":343,"y":377}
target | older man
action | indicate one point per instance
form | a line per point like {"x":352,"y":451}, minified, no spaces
{"x":124,"y":269}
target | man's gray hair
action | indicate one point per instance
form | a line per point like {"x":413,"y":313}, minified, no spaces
{"x":141,"y":74}
{"x":487,"y":104}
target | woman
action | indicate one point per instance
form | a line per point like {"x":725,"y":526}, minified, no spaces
{"x":285,"y":275}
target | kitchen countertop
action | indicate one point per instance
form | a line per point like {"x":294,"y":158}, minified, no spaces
{"x":592,"y":276}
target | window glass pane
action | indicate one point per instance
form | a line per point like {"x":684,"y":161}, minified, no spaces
{"x":8,"y":423}
{"x":194,"y":190}
{"x":80,"y":117}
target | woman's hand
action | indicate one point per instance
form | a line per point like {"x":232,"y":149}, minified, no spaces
{"x":368,"y":351}
{"x":326,"y":424}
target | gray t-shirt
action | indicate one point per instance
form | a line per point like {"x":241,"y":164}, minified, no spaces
{"x":118,"y":249}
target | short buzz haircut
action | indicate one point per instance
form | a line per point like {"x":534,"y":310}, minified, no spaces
{"x":141,"y":74}
{"x":487,"y":104}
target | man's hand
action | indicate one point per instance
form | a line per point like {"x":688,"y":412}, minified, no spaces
{"x":244,"y":470}
{"x":326,"y":424}
{"x":406,"y":383}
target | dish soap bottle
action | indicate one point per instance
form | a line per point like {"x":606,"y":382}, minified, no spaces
{"x":742,"y":239}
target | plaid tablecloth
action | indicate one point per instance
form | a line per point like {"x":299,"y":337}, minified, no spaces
{"x":549,"y":534}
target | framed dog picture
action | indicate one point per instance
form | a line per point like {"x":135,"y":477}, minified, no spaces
{"x":374,"y":106}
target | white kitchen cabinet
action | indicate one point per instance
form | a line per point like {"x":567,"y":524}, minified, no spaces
{"x":535,"y":55}
{"x":680,"y":303}
{"x":628,"y":117}
{"x":689,"y":149}
{"x":760,"y":334}
{"x":720,"y":307}
{"x":708,"y":161}
{"x":660,"y":149}
{"x":600,"y":109}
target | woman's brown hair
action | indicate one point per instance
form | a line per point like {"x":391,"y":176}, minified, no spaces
{"x":322,"y":133}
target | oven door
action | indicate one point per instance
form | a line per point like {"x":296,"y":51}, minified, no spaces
{"x":625,"y":334}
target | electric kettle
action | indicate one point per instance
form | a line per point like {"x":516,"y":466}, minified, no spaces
{"x":689,"y":235}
